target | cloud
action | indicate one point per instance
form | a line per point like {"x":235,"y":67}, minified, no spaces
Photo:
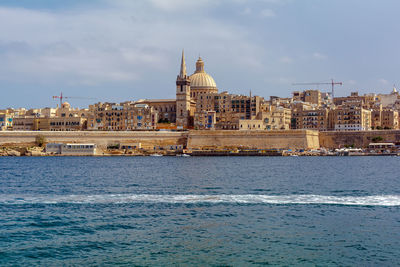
{"x":259,"y":1}
{"x":178,"y":5}
{"x":267,"y":13}
{"x":246,"y":11}
{"x":286,"y":59}
{"x":122,"y":43}
{"x":284,"y":80}
{"x":383,"y":81}
{"x":274,"y":1}
{"x":351,"y":82}
{"x":131,"y":48}
{"x":319,"y":56}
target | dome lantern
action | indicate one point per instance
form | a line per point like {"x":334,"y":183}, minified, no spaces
{"x":199,"y":66}
{"x":201,"y":80}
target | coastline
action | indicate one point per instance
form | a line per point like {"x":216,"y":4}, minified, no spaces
{"x":40,"y":152}
{"x":202,"y":143}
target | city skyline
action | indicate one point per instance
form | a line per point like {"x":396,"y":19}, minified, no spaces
{"x":111,"y":51}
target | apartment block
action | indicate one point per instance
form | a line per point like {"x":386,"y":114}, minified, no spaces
{"x":316,"y":119}
{"x":122,"y":117}
{"x":308,"y":96}
{"x":350,"y":118}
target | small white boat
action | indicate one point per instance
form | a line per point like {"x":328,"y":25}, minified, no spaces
{"x":156,"y":155}
{"x":182,"y":155}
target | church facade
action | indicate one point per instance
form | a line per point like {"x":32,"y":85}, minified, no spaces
{"x":188,"y":90}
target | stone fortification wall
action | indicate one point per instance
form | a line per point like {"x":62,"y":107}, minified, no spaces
{"x":194,"y":139}
{"x":358,"y":139}
{"x":294,"y":139}
{"x":102,"y":139}
{"x":219,"y":138}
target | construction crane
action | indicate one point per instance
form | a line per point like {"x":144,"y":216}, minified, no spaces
{"x":61,"y":97}
{"x":332,"y":83}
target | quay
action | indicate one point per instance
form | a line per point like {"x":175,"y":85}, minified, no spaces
{"x":233,"y":153}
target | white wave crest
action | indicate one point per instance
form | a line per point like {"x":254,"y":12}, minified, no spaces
{"x":377,"y":200}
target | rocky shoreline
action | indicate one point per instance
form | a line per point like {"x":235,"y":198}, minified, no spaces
{"x":35,"y":151}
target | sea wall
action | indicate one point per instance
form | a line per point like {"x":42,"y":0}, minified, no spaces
{"x":294,"y":139}
{"x":304,"y":139}
{"x":359,"y":139}
{"x":102,"y":139}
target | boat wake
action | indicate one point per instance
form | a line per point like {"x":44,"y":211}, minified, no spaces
{"x":376,"y":200}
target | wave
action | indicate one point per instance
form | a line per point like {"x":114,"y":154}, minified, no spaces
{"x":376,"y":200}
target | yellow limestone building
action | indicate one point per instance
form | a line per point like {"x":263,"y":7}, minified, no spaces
{"x":188,"y":89}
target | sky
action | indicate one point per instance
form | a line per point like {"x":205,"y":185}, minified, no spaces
{"x":120,"y":50}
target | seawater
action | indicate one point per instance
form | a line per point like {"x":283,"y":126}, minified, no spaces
{"x":200,"y":211}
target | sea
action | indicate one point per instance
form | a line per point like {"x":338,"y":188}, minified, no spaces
{"x":199,"y":211}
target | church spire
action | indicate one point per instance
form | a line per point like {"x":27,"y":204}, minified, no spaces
{"x":183,"y":73}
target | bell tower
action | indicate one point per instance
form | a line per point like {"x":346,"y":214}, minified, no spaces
{"x":182,"y":97}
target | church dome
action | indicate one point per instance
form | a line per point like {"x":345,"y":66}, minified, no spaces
{"x":200,"y":79}
{"x":66,"y":105}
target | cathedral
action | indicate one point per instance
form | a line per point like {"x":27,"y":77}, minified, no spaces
{"x":188,"y":89}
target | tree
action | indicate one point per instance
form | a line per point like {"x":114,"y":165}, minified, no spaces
{"x":40,"y":140}
{"x":377,"y":139}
